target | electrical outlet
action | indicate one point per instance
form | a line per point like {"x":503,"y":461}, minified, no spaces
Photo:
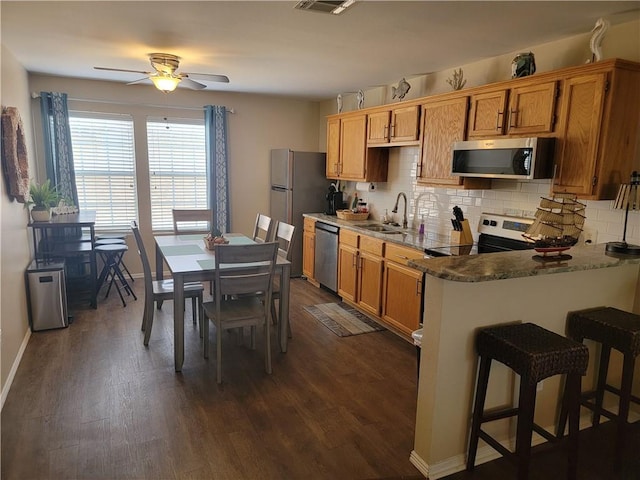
{"x":589,"y":236}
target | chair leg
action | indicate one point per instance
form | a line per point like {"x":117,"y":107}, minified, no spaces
{"x":205,"y":334}
{"x":219,"y":350}
{"x":478,"y":410}
{"x":626,"y":385}
{"x":148,"y":322}
{"x":605,"y":353}
{"x":267,"y":345}
{"x":526,"y":406}
{"x":200,"y":313}
{"x":573,"y":384}
{"x":194,"y":309}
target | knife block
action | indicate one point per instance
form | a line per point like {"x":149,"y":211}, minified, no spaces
{"x":463,"y":237}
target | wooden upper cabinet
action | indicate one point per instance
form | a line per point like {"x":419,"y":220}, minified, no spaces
{"x":443,"y":123}
{"x":353,"y":148}
{"x":378,"y":127}
{"x":333,"y":147}
{"x":405,"y":124}
{"x":530,"y":110}
{"x":487,"y":113}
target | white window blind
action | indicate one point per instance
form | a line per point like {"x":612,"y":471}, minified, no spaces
{"x":177,"y":167}
{"x":104,"y":162}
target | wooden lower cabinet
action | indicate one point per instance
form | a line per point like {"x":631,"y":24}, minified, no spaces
{"x":309,"y":250}
{"x":373,"y":276}
{"x":402,"y":289}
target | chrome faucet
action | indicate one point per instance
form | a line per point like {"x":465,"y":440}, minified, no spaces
{"x":395,"y":208}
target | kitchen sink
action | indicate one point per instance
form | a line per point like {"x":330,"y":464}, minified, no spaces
{"x":381,"y":229}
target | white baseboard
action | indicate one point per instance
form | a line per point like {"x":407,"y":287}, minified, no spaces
{"x":14,"y":368}
{"x":486,"y":453}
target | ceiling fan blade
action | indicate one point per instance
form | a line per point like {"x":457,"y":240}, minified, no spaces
{"x":140,"y":80}
{"x":208,"y":76}
{"x":192,"y":84}
{"x":122,"y":70}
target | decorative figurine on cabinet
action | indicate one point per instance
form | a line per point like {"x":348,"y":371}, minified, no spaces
{"x":523,"y":64}
{"x":402,"y":89}
{"x":360,"y":98}
{"x":595,"y":44}
{"x":339,"y":100}
{"x":457,"y":81}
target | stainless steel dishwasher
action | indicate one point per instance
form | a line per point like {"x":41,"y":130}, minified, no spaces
{"x":326,"y":261}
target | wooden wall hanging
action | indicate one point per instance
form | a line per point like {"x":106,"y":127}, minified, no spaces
{"x":15,"y":164}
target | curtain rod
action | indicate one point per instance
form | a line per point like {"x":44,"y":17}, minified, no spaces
{"x":35,"y":95}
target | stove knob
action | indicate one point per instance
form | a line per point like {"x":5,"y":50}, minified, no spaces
{"x":493,"y":223}
{"x":485,"y":222}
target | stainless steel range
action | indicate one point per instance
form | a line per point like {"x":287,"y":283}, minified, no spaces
{"x":502,"y":233}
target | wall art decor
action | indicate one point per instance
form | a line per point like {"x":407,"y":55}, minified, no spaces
{"x":15,"y":163}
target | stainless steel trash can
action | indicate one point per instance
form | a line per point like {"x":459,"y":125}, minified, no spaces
{"x":47,"y":295}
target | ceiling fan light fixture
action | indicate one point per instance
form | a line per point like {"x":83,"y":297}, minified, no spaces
{"x":165,"y":83}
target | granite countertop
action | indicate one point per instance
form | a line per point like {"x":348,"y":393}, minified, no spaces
{"x":519,"y":263}
{"x":408,"y":237}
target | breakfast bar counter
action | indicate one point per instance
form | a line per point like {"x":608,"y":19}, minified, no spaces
{"x":466,"y":293}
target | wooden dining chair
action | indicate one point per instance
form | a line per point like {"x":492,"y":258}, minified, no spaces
{"x":285,"y":238}
{"x":157,"y":291}
{"x":263,"y":229}
{"x":192,"y":220}
{"x":243,"y":287}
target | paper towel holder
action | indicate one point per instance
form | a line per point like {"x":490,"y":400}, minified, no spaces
{"x":366,"y":187}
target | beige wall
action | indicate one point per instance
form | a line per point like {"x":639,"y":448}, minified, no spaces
{"x":14,"y":240}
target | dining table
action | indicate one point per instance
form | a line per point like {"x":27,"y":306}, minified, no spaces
{"x":189,"y":260}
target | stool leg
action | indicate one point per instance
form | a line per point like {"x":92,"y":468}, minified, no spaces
{"x":478,"y":410}
{"x":605,"y":353}
{"x":526,"y":407}
{"x":573,"y":387}
{"x":623,"y":410}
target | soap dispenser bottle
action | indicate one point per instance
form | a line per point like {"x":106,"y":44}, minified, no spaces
{"x":421,"y":229}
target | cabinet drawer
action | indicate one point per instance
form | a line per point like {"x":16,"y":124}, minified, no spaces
{"x":309,"y":225}
{"x":371,"y":245}
{"x":400,"y":254}
{"x":349,"y":237}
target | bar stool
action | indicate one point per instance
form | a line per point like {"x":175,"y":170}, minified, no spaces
{"x":115,"y":240}
{"x":535,"y":354}
{"x":611,"y":328}
{"x":111,"y":255}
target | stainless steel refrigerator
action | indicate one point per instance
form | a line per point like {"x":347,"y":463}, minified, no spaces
{"x":298,"y":185}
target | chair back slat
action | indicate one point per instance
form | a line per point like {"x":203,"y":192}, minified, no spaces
{"x":263,"y":229}
{"x":192,"y":220}
{"x":244,"y":269}
{"x":285,"y":238}
{"x":146,"y":267}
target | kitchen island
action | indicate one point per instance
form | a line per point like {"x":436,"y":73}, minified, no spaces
{"x":463,"y":294}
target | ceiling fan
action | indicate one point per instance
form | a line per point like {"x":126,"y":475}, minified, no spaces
{"x":164,"y":76}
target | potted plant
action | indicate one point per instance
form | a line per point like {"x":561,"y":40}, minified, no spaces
{"x":42,"y":197}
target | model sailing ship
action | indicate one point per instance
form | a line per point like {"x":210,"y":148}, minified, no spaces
{"x":557,"y":225}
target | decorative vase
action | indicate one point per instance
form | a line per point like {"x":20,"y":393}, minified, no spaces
{"x":41,"y":215}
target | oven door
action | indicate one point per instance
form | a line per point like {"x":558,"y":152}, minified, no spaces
{"x":493,"y":244}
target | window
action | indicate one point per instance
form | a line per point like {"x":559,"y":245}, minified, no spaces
{"x":177,"y":167}
{"x":104,"y":162}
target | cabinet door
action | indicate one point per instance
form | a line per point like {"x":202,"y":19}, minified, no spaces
{"x":404,"y":124}
{"x":487,"y":115}
{"x":353,"y":148}
{"x":347,"y":272}
{"x":577,"y":150}
{"x":309,"y":254}
{"x":333,"y":148}
{"x":402,"y":297}
{"x":370,"y":283}
{"x":378,"y":128}
{"x":532,"y":109}
{"x":443,"y":123}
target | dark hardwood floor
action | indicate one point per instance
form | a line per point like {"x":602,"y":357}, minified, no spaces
{"x":91,"y":401}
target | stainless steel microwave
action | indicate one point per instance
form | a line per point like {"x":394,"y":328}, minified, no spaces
{"x":516,"y":158}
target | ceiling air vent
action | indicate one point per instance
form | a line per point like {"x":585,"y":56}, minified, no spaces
{"x":325,"y":6}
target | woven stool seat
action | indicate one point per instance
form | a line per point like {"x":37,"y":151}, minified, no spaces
{"x":612,"y":329}
{"x":535,"y":354}
{"x":532,"y":351}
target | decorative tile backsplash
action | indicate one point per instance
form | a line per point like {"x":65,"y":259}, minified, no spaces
{"x":508,"y":197}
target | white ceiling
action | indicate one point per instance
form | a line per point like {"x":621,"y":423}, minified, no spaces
{"x":270,"y":47}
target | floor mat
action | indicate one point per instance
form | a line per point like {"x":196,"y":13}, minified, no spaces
{"x":342,"y":319}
